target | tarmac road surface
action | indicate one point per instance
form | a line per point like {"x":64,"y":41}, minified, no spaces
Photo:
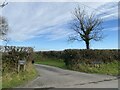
{"x":53,"y":77}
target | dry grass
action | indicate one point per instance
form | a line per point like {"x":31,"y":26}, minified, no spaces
{"x":15,"y":79}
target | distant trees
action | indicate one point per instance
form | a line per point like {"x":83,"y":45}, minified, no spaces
{"x":87,"y":27}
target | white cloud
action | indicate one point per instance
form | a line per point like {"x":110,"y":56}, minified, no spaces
{"x":108,"y":11}
{"x":111,"y":29}
{"x":109,"y":17}
{"x":29,"y":20}
{"x":25,"y":24}
{"x":58,"y":34}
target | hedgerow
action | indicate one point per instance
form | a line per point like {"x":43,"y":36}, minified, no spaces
{"x":12,"y":54}
{"x":74,"y":57}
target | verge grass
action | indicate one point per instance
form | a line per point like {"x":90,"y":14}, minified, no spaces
{"x":108,"y":69}
{"x":52,"y":62}
{"x":10,"y":80}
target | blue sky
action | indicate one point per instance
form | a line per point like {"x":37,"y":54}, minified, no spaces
{"x":45,"y":25}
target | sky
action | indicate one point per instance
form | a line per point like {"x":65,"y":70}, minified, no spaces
{"x":46,"y":25}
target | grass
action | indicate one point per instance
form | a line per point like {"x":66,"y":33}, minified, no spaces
{"x":10,"y":80}
{"x":52,"y":62}
{"x":109,"y":69}
{"x":0,"y":82}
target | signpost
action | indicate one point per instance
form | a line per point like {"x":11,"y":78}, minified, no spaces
{"x":21,"y":63}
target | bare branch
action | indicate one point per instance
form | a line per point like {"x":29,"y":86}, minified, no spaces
{"x":3,"y":4}
{"x":87,"y":27}
{"x":74,"y":38}
{"x":3,"y":29}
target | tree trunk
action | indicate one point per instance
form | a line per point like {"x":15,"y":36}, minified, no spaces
{"x":87,"y":44}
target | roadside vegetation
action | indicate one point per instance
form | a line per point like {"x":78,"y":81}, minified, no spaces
{"x":52,"y":62}
{"x":15,"y":73}
{"x":108,"y":69}
{"x":14,"y":79}
{"x":88,"y":61}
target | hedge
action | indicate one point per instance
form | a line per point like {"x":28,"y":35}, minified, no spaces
{"x":12,"y":54}
{"x":50,"y":54}
{"x":75,"y":56}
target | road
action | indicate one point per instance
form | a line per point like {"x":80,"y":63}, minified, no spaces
{"x":53,"y":77}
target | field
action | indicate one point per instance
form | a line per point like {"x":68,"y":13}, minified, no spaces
{"x":52,"y":62}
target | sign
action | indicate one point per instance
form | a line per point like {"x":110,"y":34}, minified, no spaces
{"x":22,"y":62}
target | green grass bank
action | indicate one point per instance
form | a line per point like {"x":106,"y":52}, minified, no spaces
{"x":10,"y":80}
{"x":108,"y":69}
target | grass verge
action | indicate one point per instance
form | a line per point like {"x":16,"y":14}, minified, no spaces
{"x":108,"y":69}
{"x":10,"y":80}
{"x":52,"y":62}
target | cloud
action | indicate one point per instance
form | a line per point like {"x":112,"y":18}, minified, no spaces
{"x":31,"y":20}
{"x":111,"y":29}
{"x":58,"y":34}
{"x":108,"y":11}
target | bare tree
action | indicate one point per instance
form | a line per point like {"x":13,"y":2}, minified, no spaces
{"x":87,"y":27}
{"x":3,"y":25}
{"x":3,"y":29}
{"x":3,"y":4}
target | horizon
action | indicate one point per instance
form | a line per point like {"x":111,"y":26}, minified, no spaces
{"x":62,"y":50}
{"x":51,"y":32}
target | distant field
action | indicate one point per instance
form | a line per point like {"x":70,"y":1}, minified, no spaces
{"x":52,"y":62}
{"x":109,"y":69}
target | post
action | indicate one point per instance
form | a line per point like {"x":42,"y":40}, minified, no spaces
{"x":21,"y":63}
{"x":24,"y":68}
{"x":18,"y":67}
